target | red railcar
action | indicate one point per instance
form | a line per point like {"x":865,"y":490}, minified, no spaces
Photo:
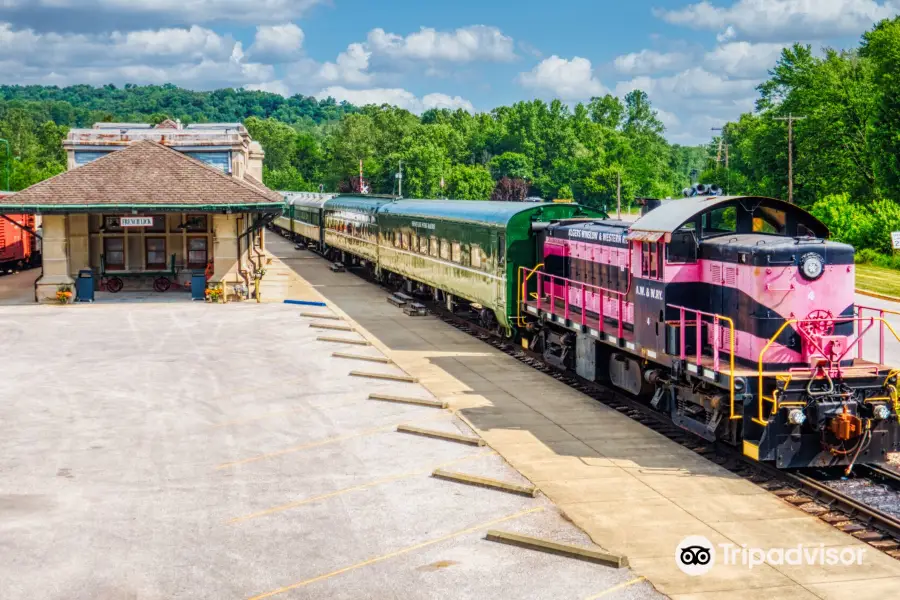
{"x":18,"y":248}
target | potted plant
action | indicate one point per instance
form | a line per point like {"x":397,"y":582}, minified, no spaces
{"x":64,"y":294}
{"x":214,"y":293}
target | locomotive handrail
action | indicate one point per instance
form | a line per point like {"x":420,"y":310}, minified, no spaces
{"x":857,"y":342}
{"x":519,"y":317}
{"x":698,"y":323}
{"x":881,"y":313}
{"x":566,"y":285}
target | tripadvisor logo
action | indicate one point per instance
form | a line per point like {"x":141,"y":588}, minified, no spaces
{"x":696,"y":555}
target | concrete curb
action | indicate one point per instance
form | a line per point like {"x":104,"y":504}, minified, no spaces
{"x":331,"y":326}
{"x":441,"y":435}
{"x":486,"y":482}
{"x":338,"y":340}
{"x":387,"y":376}
{"x":374,"y":359}
{"x":321,"y":316}
{"x":877,"y":295}
{"x":577,"y":552}
{"x":402,"y":400}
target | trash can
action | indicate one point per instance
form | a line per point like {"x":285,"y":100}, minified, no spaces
{"x":84,"y":286}
{"x":198,"y":285}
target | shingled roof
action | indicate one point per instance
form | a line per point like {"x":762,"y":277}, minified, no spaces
{"x":145,"y":175}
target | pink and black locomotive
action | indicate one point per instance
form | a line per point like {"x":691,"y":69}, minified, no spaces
{"x":735,"y":315}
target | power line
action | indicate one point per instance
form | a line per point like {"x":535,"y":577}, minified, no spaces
{"x":790,"y":121}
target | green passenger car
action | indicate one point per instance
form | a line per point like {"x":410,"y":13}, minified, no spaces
{"x":303,"y":216}
{"x":470,"y":249}
{"x":350,"y":225}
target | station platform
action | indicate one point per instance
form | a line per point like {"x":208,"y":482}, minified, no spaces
{"x":630,"y":489}
{"x":197,"y":451}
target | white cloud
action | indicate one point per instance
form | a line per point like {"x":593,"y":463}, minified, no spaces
{"x":649,"y":61}
{"x":783,"y":20}
{"x":466,"y":44}
{"x":396,"y":97}
{"x":691,"y":83}
{"x":743,"y":59}
{"x":350,"y":67}
{"x":277,"y":42}
{"x":184,"y":11}
{"x":567,"y":79}
{"x":728,"y":34}
{"x":195,"y":57}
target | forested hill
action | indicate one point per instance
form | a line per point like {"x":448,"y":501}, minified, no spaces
{"x":551,"y":149}
{"x":83,"y":105}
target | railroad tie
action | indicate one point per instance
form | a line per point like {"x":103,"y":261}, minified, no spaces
{"x":375,"y":359}
{"x":338,"y":340}
{"x":487,"y":482}
{"x":441,"y":435}
{"x":321,"y":316}
{"x":404,"y":400}
{"x":577,"y":552}
{"x":386,"y":376}
{"x":332,"y":326}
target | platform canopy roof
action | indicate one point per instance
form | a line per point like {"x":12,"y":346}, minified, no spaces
{"x":145,"y":176}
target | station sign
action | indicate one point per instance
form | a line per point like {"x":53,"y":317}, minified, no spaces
{"x":895,"y":240}
{"x":135,"y":221}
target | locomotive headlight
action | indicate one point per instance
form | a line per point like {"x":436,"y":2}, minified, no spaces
{"x":881,"y":412}
{"x":812,"y":266}
{"x":796,"y":417}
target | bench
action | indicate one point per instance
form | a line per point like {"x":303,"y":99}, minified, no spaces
{"x":415,"y":310}
{"x":399,"y":299}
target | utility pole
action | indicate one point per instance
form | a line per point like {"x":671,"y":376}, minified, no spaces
{"x":400,"y":180}
{"x":360,"y":177}
{"x":619,"y":195}
{"x":790,"y":121}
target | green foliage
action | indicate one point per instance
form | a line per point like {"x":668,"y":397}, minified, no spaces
{"x":862,"y":226}
{"x":534,"y":147}
{"x":565,"y":193}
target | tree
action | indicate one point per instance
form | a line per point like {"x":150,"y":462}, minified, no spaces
{"x":510,"y":190}
{"x":469,"y":182}
{"x":511,"y":164}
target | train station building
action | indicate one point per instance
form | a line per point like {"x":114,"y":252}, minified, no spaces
{"x":138,"y":203}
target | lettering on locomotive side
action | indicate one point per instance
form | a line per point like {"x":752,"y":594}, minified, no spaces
{"x":586,"y":234}
{"x":649,"y":292}
{"x":421,"y":225}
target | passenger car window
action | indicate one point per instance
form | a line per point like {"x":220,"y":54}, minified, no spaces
{"x":445,"y":249}
{"x":423,"y":245}
{"x":475,"y":254}
{"x":457,"y":252}
{"x":434,"y":247}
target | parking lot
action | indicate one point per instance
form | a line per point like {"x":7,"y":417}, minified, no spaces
{"x":195,"y":451}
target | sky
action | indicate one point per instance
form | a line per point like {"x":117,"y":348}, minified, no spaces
{"x":699,"y":62}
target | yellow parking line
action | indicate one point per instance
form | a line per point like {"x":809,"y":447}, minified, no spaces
{"x":361,"y":486}
{"x":406,"y":550}
{"x":324,"y":442}
{"x":616,"y":588}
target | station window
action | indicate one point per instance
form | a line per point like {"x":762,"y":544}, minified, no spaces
{"x":456,"y":252}
{"x":114,"y":253}
{"x":651,"y":260}
{"x":159,"y":224}
{"x":156,"y":253}
{"x":475,"y":254}
{"x":434,"y":247}
{"x":196,"y":224}
{"x":445,"y":249}
{"x":198,"y":252}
